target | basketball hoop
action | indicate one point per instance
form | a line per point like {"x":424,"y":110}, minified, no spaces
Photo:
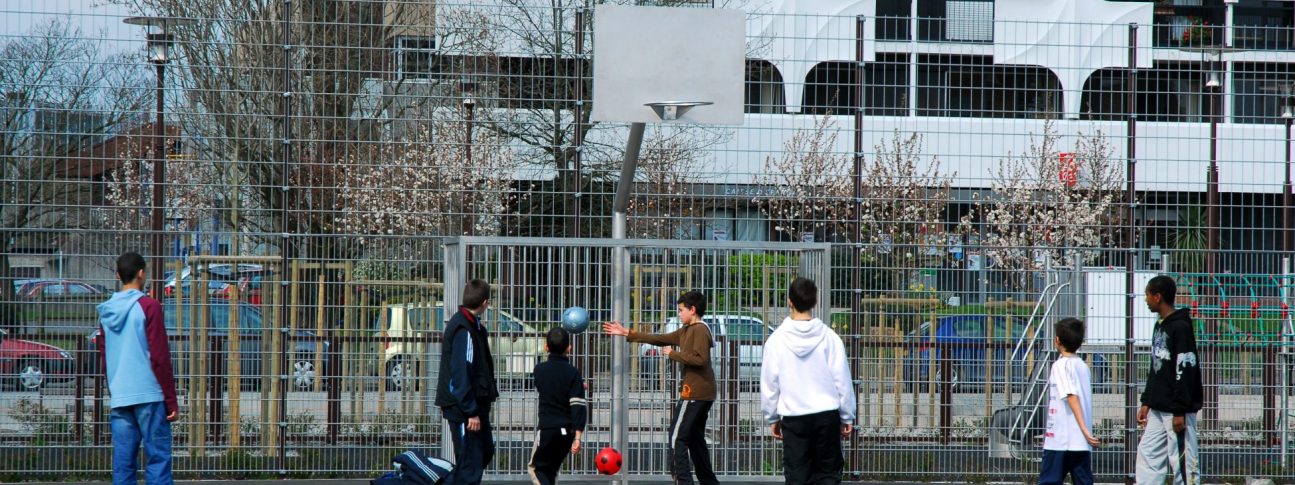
{"x":672,"y":110}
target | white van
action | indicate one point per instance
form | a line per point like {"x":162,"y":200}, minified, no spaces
{"x":515,"y":345}
{"x":748,"y":332}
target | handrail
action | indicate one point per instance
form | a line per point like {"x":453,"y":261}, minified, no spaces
{"x":1033,"y":312}
{"x":1033,"y":397}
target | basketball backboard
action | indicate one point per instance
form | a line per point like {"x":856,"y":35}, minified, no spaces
{"x":691,"y":59}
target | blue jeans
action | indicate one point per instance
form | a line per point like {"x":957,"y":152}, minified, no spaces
{"x":135,"y":425}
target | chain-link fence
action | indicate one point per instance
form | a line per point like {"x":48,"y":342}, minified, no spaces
{"x":978,"y":169}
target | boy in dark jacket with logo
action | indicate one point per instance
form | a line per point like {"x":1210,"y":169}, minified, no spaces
{"x":688,"y":433}
{"x":562,"y":410}
{"x":467,"y":387}
{"x":1173,"y":394}
{"x":137,"y":357}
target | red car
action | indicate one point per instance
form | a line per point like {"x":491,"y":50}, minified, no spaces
{"x":27,"y":365}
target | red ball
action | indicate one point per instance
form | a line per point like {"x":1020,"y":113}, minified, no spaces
{"x":608,"y":461}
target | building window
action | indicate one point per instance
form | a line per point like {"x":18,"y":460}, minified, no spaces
{"x":415,"y":58}
{"x":1171,"y":91}
{"x":973,"y":87}
{"x":893,"y":18}
{"x":764,"y":88}
{"x":1257,"y":91}
{"x":955,"y":20}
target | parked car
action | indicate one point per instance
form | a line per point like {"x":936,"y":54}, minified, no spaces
{"x":222,"y":273}
{"x":967,"y":337}
{"x":301,"y":365}
{"x":33,"y":289}
{"x":515,"y":345}
{"x":28,"y":365}
{"x":749,"y":333}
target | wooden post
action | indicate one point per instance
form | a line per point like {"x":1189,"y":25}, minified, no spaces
{"x":271,"y":427}
{"x":234,"y":379}
{"x":319,"y":331}
{"x":201,"y":349}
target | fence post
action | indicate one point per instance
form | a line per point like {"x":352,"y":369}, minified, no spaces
{"x":1269,"y":363}
{"x":78,"y":407}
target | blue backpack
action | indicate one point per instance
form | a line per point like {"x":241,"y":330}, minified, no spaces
{"x":414,"y":467}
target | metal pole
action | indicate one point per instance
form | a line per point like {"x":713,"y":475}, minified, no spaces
{"x":621,"y":291}
{"x":1130,"y":241}
{"x":856,"y":278}
{"x":285,"y":241}
{"x":578,"y":137}
{"x":1286,"y":195}
{"x":1212,"y":186}
{"x":1284,"y":415}
{"x":159,"y":181}
{"x":469,"y":212}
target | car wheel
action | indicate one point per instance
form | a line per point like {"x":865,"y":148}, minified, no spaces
{"x":400,"y":374}
{"x":29,"y":376}
{"x":303,"y":374}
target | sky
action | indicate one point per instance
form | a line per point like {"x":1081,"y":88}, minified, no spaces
{"x":96,"y":19}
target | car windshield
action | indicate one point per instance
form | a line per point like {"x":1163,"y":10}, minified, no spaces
{"x":249,"y":317}
{"x":746,"y":330}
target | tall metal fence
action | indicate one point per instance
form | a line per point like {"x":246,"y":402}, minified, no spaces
{"x":977,"y":169}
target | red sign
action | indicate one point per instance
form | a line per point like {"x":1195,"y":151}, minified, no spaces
{"x":1069,"y":168}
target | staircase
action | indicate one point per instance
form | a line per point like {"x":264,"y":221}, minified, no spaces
{"x":1013,"y":430}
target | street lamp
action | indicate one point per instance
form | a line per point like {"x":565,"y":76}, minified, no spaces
{"x":1215,"y":90}
{"x":159,"y":39}
{"x":468,"y":87}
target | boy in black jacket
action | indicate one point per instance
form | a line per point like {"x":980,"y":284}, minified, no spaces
{"x":562,"y":410}
{"x":1173,"y":393}
{"x":467,"y":386}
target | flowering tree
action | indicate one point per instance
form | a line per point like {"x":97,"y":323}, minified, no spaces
{"x":425,"y":185}
{"x":903,"y":210}
{"x":193,"y":191}
{"x":1044,"y":206}
{"x":810,"y":185}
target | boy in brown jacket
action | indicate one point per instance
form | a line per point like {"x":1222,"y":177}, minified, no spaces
{"x":688,"y":433}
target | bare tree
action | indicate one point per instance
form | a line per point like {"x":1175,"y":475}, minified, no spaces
{"x":662,"y":207}
{"x":1040,"y":209}
{"x":59,"y":96}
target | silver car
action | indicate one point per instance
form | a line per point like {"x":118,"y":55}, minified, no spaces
{"x":746,"y":332}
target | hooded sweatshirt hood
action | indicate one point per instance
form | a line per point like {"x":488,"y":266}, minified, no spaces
{"x":113,"y":313}
{"x":803,"y":336}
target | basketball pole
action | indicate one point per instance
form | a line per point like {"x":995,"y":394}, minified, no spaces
{"x":621,"y":293}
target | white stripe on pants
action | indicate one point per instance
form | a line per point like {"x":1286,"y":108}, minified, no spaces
{"x":1158,"y":451}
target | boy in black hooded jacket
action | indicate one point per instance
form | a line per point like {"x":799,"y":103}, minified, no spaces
{"x":1173,"y":394}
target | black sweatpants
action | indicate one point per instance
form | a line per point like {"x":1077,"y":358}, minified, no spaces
{"x":552,"y":446}
{"x":473,"y":451}
{"x":811,"y":448}
{"x":688,"y":439}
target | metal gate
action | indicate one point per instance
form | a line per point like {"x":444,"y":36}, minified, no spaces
{"x":534,"y":279}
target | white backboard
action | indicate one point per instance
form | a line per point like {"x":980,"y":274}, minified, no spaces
{"x":660,"y":54}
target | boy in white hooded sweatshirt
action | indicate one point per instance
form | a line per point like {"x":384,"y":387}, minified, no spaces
{"x":806,"y":391}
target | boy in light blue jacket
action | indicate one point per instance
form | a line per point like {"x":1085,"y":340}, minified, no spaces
{"x":137,"y":358}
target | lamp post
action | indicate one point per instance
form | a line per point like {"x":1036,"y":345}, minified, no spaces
{"x":1215,"y":89}
{"x":469,"y":89}
{"x":159,"y":39}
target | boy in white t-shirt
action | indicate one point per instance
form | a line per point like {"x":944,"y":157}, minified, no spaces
{"x":1069,"y":437}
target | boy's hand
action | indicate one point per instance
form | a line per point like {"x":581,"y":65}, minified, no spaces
{"x":615,"y":328}
{"x":846,"y":429}
{"x":575,"y":446}
{"x":1092,"y":440}
{"x":776,"y":429}
{"x":667,"y":350}
{"x":1180,"y":424}
{"x":474,"y":424}
{"x":1142,"y":415}
{"x":173,"y":416}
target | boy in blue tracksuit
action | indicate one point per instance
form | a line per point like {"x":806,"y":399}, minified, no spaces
{"x":135,"y":353}
{"x":467,"y":388}
{"x":562,"y":410}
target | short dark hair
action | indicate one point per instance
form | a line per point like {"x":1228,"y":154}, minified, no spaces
{"x":558,"y":340}
{"x":803,"y":294}
{"x":1164,"y":286}
{"x":1070,"y":331}
{"x":128,"y":265}
{"x":476,"y":293}
{"x":695,"y":300}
